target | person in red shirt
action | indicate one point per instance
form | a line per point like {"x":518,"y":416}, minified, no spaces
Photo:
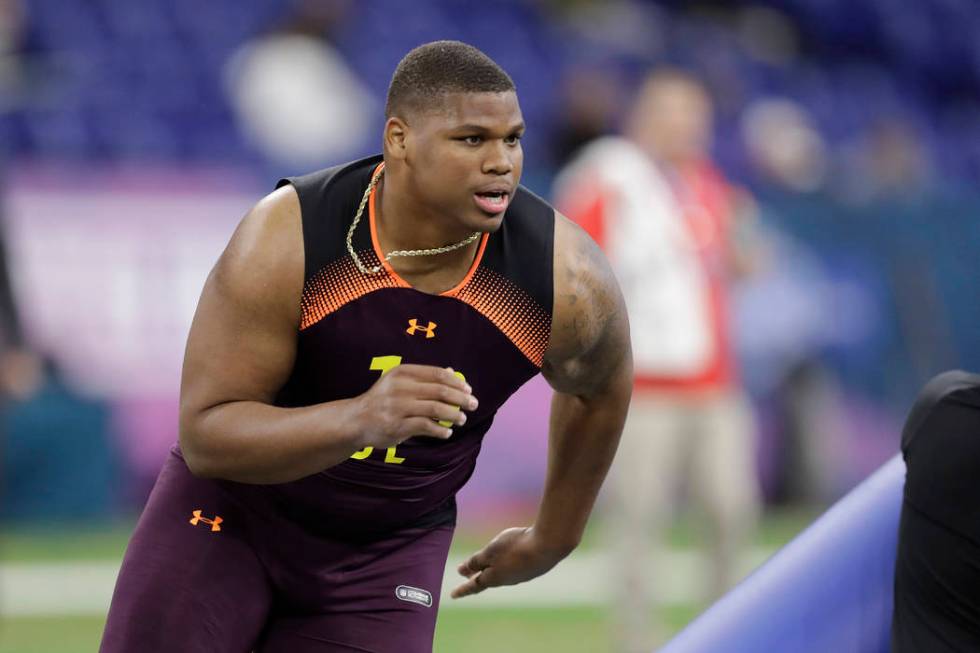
{"x":665,"y":216}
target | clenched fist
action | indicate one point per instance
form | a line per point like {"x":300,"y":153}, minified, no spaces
{"x":412,"y":400}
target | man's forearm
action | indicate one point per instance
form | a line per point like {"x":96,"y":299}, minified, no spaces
{"x":584,"y":434}
{"x":253,"y":442}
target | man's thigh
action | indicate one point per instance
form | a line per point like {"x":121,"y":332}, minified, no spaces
{"x":383,"y":598}
{"x":189,"y":581}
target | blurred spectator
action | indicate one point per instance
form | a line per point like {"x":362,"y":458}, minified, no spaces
{"x":296,"y":97}
{"x":57,"y":463}
{"x":625,"y":29}
{"x":784,"y":146}
{"x":11,"y":339}
{"x":889,"y":164}
{"x":11,"y":335}
{"x":767,"y":35}
{"x":824,"y":306}
{"x":591,"y":99}
{"x":11,"y":34}
{"x":797,"y":398}
{"x":667,"y":220}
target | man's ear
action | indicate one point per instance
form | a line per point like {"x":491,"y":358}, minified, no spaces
{"x":396,"y":138}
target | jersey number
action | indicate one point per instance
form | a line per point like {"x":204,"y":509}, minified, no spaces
{"x":385,"y":364}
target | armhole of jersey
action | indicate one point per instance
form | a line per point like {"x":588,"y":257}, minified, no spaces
{"x":524,"y":248}
{"x":323,"y":210}
{"x":303,"y":213}
{"x":307,"y":211}
{"x":513,"y":286}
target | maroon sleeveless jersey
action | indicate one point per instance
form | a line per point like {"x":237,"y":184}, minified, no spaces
{"x":493,"y":328}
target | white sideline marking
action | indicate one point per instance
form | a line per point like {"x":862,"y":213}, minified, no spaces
{"x":587,"y":579}
{"x":584,"y":579}
{"x":57,"y":588}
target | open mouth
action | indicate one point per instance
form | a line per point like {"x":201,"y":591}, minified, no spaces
{"x":493,"y":201}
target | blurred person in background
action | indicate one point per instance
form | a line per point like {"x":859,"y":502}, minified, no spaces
{"x":889,"y":165}
{"x":589,"y":99}
{"x":11,"y":333}
{"x":666,"y":218}
{"x":44,"y":414}
{"x":786,"y":151}
{"x":788,"y":158}
{"x":12,"y":352}
{"x":295,"y":96}
{"x":11,"y":39}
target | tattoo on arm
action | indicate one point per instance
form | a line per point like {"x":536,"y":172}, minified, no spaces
{"x":590,"y":335}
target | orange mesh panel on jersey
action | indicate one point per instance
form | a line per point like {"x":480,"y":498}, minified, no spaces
{"x":511,"y":310}
{"x":495,"y":297}
{"x":340,"y":283}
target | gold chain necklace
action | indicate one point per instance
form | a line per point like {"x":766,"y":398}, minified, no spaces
{"x":400,"y":252}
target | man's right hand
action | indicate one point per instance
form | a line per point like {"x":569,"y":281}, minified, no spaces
{"x":411,"y":400}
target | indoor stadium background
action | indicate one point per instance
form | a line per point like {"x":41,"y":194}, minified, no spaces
{"x":134,"y":135}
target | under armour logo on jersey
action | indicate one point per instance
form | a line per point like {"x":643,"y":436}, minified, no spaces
{"x":215,"y":523}
{"x":413,"y":326}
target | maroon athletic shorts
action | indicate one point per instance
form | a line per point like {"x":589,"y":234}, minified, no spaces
{"x":213,"y":570}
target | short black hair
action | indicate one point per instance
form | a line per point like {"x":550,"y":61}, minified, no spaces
{"x":435,"y":69}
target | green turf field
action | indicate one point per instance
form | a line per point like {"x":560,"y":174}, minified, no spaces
{"x":473,"y":630}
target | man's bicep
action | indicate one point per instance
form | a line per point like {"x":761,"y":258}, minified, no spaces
{"x":242,"y":341}
{"x":590,"y":345}
{"x":604,"y":366}
{"x":235,"y":350}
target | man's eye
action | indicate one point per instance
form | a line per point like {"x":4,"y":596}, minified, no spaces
{"x":472,"y":140}
{"x":512,"y":140}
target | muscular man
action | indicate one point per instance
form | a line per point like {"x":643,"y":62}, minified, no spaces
{"x":349,"y":352}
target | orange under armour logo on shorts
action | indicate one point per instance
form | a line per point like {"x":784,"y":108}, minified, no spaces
{"x":215,"y":523}
{"x":413,"y":326}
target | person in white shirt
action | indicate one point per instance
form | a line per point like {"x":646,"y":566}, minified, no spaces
{"x":665,"y":217}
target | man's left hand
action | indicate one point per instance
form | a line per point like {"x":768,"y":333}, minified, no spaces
{"x":514,"y":556}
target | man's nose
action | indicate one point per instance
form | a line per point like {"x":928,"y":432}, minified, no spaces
{"x":499,"y":160}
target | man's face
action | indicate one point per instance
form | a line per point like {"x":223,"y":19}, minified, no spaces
{"x":465,"y":158}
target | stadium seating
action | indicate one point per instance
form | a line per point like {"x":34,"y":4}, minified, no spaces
{"x":97,"y":63}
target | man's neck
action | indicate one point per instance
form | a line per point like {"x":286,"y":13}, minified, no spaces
{"x":402,"y":224}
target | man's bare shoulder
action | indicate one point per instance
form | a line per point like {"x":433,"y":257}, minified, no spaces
{"x":590,"y":330}
{"x":264,"y":260}
{"x":271,"y":229}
